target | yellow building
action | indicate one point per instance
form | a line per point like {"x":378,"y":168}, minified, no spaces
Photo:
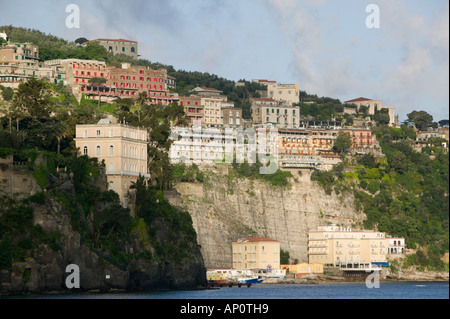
{"x":256,"y":253}
{"x":122,"y":147}
{"x":304,"y":268}
{"x":342,"y":246}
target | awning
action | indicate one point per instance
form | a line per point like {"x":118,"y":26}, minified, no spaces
{"x":382,"y":264}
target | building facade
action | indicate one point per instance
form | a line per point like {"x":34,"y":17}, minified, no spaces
{"x":307,"y":148}
{"x":76,"y":73}
{"x":119,"y":46}
{"x":344,"y":247}
{"x":232,"y":117}
{"x":18,"y":63}
{"x":128,"y":81}
{"x":285,"y":93}
{"x":193,"y":107}
{"x":122,"y":147}
{"x":372,"y":105}
{"x":256,"y":253}
{"x":280,"y":114}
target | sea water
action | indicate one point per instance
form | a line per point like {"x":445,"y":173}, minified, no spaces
{"x":353,"y":290}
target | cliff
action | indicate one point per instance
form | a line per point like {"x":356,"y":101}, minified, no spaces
{"x":41,"y":235}
{"x":226,"y":208}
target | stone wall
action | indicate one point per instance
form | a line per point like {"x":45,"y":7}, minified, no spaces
{"x":15,"y":179}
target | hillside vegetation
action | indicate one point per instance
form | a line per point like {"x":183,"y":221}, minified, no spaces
{"x":404,"y":194}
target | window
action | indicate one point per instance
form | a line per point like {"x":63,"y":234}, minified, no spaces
{"x":111,"y":186}
{"x":123,"y":49}
{"x":85,"y":134}
{"x":98,"y":151}
{"x":85,"y":150}
{"x":133,"y":49}
{"x":98,"y":133}
{"x":111,"y":150}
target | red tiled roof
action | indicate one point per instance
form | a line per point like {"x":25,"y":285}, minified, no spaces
{"x":257,"y":239}
{"x":360,"y":99}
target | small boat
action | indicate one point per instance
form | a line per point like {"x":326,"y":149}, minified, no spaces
{"x":245,"y":280}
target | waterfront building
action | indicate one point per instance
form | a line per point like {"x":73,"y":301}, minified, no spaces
{"x":122,"y":147}
{"x":304,"y":269}
{"x":347,"y":248}
{"x":256,"y":253}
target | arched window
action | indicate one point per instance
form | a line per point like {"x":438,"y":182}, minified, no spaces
{"x":133,"y":49}
{"x":85,"y":150}
{"x":111,"y":186}
{"x":98,"y":150}
{"x":111,"y":150}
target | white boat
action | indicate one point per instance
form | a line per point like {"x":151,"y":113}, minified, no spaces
{"x":270,"y":273}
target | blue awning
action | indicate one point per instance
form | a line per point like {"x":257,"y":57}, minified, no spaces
{"x":382,"y":264}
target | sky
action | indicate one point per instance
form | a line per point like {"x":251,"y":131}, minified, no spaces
{"x":323,"y":45}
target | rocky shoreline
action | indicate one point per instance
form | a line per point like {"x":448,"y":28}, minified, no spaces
{"x":431,"y":276}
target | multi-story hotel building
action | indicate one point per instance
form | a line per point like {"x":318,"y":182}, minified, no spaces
{"x":76,"y":73}
{"x":280,"y":114}
{"x":118,"y":46}
{"x":256,"y":253}
{"x":307,"y":148}
{"x":128,"y":81}
{"x":192,"y":107}
{"x":122,"y":147}
{"x":18,"y":63}
{"x":347,"y":248}
{"x":212,"y":111}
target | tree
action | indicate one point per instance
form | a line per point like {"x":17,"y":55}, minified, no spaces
{"x":343,"y":142}
{"x":7,"y":93}
{"x":368,"y":160}
{"x":98,"y":82}
{"x":443,"y":123}
{"x":33,"y":98}
{"x":80,"y":41}
{"x":422,"y":120}
{"x":382,"y":117}
{"x":399,"y":162}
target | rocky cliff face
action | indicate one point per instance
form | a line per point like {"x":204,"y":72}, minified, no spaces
{"x":224,"y":210}
{"x":46,"y":270}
